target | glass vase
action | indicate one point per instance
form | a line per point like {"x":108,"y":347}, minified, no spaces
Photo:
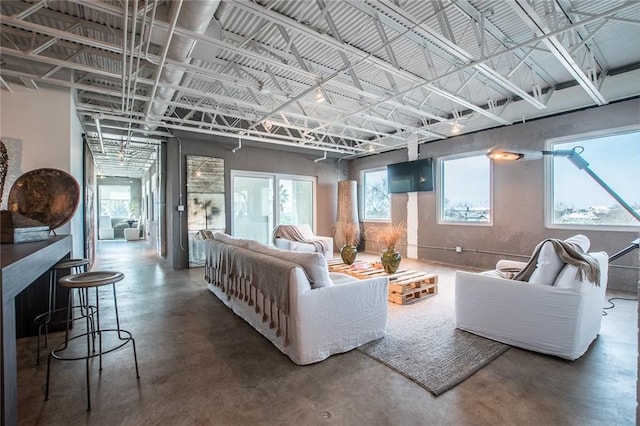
{"x":390,"y":260}
{"x":348,"y":254}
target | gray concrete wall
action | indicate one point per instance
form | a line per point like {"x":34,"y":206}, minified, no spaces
{"x":250,"y":159}
{"x":518,"y":196}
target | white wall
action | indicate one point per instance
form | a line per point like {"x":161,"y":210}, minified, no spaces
{"x":40,"y":130}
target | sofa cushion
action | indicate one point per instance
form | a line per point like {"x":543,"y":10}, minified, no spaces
{"x":549,"y":263}
{"x":228,"y":239}
{"x":314,"y":264}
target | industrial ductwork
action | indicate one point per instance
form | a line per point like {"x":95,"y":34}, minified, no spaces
{"x":194,"y":16}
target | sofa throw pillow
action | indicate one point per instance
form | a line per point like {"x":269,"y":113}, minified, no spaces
{"x":264,"y":249}
{"x":228,"y":239}
{"x":567,"y":278}
{"x":549,"y":263}
{"x":315,"y":266}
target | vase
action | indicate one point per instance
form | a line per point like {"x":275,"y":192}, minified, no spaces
{"x":390,"y":260}
{"x":348,"y":254}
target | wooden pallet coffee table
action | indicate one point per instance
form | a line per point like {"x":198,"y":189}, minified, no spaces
{"x":404,"y":286}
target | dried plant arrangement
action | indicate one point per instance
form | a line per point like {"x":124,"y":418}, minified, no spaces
{"x":349,"y":231}
{"x":389,"y":235}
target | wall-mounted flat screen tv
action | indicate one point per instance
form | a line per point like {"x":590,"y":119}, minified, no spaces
{"x":410,"y":176}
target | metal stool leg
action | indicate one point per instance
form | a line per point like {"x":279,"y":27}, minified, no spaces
{"x":45,"y":319}
{"x":83,"y":282}
{"x":135,"y":356}
{"x":89,"y":339}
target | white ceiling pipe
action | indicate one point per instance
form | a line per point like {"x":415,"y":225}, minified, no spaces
{"x":195,"y":16}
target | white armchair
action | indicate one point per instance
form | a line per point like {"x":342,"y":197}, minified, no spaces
{"x":561,"y":317}
{"x":132,"y":234}
{"x":304,"y":243}
{"x":105,"y":228}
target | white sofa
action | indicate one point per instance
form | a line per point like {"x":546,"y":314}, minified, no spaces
{"x":301,"y":246}
{"x":560,"y":315}
{"x":309,"y":314}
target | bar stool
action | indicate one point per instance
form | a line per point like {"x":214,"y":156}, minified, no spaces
{"x":47,"y":318}
{"x":83,"y":282}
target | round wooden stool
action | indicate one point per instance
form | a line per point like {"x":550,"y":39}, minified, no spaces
{"x":83,"y":282}
{"x":46,"y":319}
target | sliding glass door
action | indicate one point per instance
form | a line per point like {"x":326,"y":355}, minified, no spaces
{"x":258,"y":207}
{"x":253,"y":214}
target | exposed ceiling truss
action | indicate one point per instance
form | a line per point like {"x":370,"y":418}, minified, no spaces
{"x":345,"y":77}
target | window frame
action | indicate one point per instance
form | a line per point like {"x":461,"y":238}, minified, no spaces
{"x":441,"y":193}
{"x":549,"y":179}
{"x":363,"y":180}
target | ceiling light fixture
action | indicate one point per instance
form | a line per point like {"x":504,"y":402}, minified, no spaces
{"x":319,"y":96}
{"x":504,"y":155}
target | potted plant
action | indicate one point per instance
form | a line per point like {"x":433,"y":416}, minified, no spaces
{"x":350,"y":232}
{"x":388,"y":237}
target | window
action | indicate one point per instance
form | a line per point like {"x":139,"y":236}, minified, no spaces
{"x":576,"y":199}
{"x":376,"y":195}
{"x":115,"y":200}
{"x":465,"y":190}
{"x":257,"y":207}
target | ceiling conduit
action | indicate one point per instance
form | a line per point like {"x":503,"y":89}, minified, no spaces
{"x":194,"y":16}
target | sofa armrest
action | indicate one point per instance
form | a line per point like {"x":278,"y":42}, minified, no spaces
{"x":352,"y":313}
{"x":281,"y":243}
{"x":329,"y":241}
{"x":510,"y":264}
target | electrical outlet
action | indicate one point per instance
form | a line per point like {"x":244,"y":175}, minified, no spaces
{"x":181,"y":208}
{"x":458,"y":249}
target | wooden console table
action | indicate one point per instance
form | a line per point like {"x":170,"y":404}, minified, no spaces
{"x":404,"y":286}
{"x":21,"y":265}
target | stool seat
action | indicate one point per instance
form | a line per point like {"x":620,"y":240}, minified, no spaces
{"x":71,"y":263}
{"x":91,"y":279}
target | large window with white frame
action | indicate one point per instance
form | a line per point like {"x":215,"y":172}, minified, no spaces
{"x":575,"y":199}
{"x":263,"y":200}
{"x":465,"y":190}
{"x":376,"y":200}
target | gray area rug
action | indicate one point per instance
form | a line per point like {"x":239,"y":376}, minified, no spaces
{"x":423,"y":344}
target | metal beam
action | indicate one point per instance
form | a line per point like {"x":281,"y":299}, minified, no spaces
{"x":536,"y":23}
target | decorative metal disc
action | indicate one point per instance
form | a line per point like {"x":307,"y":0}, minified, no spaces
{"x":50,"y":196}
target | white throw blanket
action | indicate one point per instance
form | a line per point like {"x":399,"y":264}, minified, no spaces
{"x":571,"y":254}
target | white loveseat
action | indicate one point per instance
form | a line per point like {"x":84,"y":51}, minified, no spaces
{"x":556,"y":313}
{"x":306,"y":246}
{"x":308,"y":313}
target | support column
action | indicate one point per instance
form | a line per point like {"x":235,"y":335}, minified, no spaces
{"x":412,"y":205}
{"x":347,"y":208}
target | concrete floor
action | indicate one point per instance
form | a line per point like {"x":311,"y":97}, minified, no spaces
{"x":200,"y":364}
